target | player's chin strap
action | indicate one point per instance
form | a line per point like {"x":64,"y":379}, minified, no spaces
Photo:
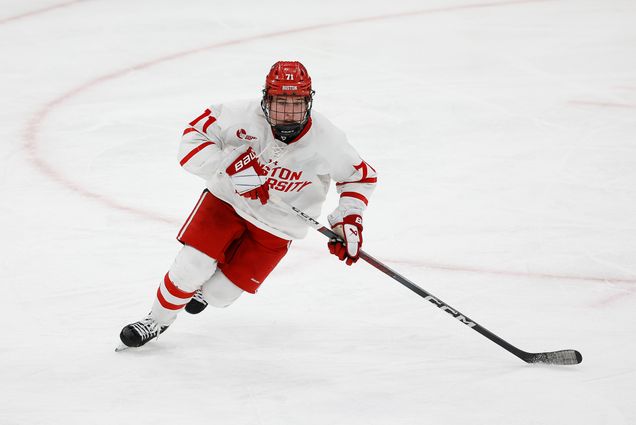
{"x":563,"y":357}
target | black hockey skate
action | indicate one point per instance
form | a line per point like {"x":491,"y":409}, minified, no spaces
{"x":197,"y":304}
{"x":138,"y":333}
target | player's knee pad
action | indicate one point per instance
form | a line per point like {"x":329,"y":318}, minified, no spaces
{"x":219,"y":291}
{"x":191,"y":268}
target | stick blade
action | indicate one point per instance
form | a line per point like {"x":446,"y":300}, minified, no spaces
{"x":563,"y":357}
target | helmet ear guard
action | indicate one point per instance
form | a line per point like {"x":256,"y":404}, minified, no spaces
{"x":287,"y":79}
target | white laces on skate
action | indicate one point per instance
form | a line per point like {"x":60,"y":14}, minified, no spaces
{"x":147,"y":328}
{"x":198,"y":296}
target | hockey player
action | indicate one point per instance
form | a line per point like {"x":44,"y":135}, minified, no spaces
{"x":252,"y":156}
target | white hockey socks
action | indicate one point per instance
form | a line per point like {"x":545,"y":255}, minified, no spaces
{"x":191,"y":268}
{"x":169,"y":301}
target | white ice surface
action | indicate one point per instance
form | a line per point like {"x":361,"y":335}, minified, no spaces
{"x":504,"y":136}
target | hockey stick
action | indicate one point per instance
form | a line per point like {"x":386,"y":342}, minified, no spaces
{"x":562,"y":357}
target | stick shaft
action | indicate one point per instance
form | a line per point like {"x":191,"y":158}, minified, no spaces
{"x":574,"y":356}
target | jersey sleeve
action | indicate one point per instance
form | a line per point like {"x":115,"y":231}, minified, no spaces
{"x":201,"y":144}
{"x":355,"y":180}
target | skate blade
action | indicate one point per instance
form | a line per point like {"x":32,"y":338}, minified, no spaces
{"x":121,"y":347}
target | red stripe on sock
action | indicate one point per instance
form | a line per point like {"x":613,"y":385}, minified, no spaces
{"x":174,"y":291}
{"x":165,"y":304}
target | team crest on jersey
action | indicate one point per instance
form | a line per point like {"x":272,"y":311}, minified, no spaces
{"x":242,"y":134}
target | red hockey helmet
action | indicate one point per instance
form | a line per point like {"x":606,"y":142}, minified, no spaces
{"x":288,"y":78}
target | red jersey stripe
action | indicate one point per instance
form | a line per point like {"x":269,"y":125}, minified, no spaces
{"x":174,"y":291}
{"x":355,"y":195}
{"x":188,"y":130}
{"x":367,"y":180}
{"x":194,"y":152}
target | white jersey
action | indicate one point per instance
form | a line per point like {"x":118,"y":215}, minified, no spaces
{"x":299,"y":173}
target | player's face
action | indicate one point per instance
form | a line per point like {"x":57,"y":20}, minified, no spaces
{"x":287,"y":109}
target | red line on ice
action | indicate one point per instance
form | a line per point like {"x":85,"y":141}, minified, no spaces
{"x":38,"y":11}
{"x":610,"y":300}
{"x":31,"y":130}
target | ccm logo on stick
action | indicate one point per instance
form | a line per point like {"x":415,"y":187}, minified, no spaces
{"x":450,"y":311}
